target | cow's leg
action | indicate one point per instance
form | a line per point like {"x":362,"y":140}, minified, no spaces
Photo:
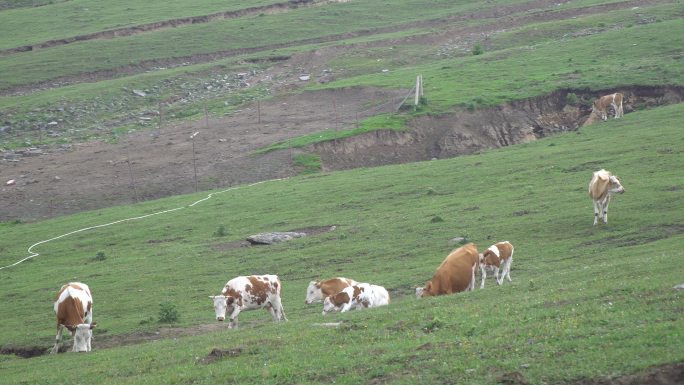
{"x":605,"y":209}
{"x":507,"y":269}
{"x":271,"y":309}
{"x":58,"y":340}
{"x":496,"y":275}
{"x":233,"y":322}
{"x":483,"y":273}
{"x":596,"y":211}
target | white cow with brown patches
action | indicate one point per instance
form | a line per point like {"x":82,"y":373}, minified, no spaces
{"x":249,"y":293}
{"x":603,"y":183}
{"x":600,"y":106}
{"x":318,"y":290}
{"x":358,"y":296}
{"x":74,"y":310}
{"x":498,"y":254}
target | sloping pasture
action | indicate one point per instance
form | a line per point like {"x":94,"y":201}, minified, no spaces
{"x":584,"y":302}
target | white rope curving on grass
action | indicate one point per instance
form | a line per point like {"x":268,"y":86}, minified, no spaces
{"x":33,"y":254}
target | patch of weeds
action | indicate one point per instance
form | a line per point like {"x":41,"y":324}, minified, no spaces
{"x":433,"y":325}
{"x":146,"y":321}
{"x":436,"y":219}
{"x":477,"y":49}
{"x":310,"y":163}
{"x":221,"y":231}
{"x":168,"y":313}
{"x":571,"y":99}
{"x":100,"y":256}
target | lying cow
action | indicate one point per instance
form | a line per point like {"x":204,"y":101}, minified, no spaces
{"x":74,"y":310}
{"x":358,"y":296}
{"x":318,"y":290}
{"x":498,"y":254}
{"x":455,"y":274}
{"x":601,"y":186}
{"x":249,"y":293}
{"x":601,"y":105}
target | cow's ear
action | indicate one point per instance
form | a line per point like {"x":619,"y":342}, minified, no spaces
{"x":93,"y":325}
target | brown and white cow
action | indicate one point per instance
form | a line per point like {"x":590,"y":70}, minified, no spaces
{"x":602,"y":185}
{"x":318,"y":290}
{"x":357,"y":296}
{"x":74,"y":310}
{"x":500,"y":253}
{"x":455,"y":274}
{"x":601,"y":105}
{"x":249,"y":293}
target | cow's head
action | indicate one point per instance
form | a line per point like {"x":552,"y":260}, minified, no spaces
{"x":82,"y":334}
{"x":314,"y":292}
{"x":423,"y":291}
{"x":220,"y":306}
{"x":615,"y":186}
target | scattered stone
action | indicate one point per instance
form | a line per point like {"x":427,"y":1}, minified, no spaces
{"x":457,"y":240}
{"x":139,"y":93}
{"x":275,"y":237}
{"x":679,"y":287}
{"x":217,"y":354}
{"x":304,"y":77}
{"x":57,"y":178}
{"x":11,"y":182}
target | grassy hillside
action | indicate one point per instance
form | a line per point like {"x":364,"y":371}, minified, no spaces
{"x":535,"y":48}
{"x":584,"y":302}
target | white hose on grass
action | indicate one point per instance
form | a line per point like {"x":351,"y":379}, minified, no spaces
{"x":33,"y":254}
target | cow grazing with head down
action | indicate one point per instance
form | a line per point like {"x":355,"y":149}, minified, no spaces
{"x":358,"y":296}
{"x":74,"y":310}
{"x":601,"y":105}
{"x":494,"y":257}
{"x":601,"y":186}
{"x":318,"y":290}
{"x":249,"y":293}
{"x":455,"y":274}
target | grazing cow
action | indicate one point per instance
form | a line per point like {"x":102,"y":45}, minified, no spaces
{"x":455,"y":274}
{"x":358,"y":296}
{"x":74,"y":310}
{"x":497,"y":254}
{"x":318,"y":290}
{"x":602,"y":185}
{"x":601,"y":105}
{"x":249,"y":293}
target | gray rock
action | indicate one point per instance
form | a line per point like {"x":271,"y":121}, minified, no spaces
{"x":679,"y":287}
{"x":271,"y":238}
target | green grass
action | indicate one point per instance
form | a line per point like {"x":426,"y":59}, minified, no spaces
{"x":584,"y":302}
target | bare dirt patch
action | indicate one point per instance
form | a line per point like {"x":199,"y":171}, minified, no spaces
{"x":154,"y":164}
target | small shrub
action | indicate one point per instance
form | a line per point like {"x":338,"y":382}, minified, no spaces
{"x":571,"y":99}
{"x":477,"y":49}
{"x":100,"y":256}
{"x":168,"y":313}
{"x":436,"y":219}
{"x":220,"y":231}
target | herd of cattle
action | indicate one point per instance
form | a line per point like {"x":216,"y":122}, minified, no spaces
{"x":74,"y":303}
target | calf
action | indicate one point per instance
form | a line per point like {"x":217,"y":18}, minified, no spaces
{"x":601,"y":105}
{"x":601,"y":186}
{"x":249,"y":293}
{"x":455,"y":274}
{"x":358,"y":296}
{"x":74,"y":310}
{"x":496,"y":255}
{"x":318,"y":290}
